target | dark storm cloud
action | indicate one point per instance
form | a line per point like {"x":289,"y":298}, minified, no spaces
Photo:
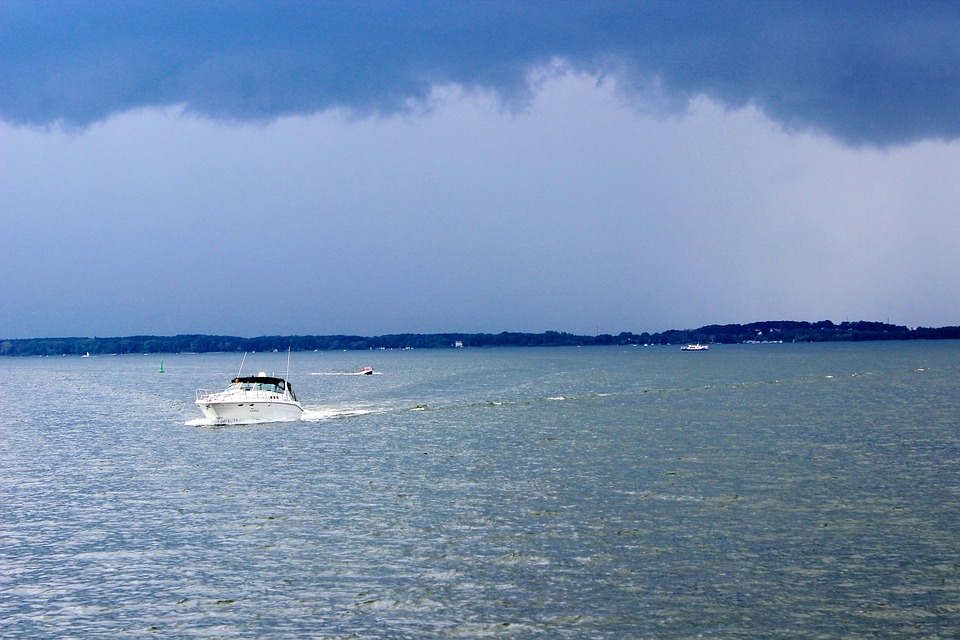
{"x":864,"y":72}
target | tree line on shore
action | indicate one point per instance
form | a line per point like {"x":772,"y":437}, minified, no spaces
{"x":770,"y":331}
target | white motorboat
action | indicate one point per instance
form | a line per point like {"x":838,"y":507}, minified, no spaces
{"x":695,"y":347}
{"x":259,"y":398}
{"x":365,"y":371}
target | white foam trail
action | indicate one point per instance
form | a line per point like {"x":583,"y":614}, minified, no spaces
{"x":201,"y":422}
{"x":345,"y":373}
{"x":333,"y":413}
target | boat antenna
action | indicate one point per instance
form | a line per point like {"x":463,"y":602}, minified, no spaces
{"x":241,"y":363}
{"x":286,"y":377}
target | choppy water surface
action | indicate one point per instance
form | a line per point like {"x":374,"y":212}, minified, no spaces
{"x":793,"y":491}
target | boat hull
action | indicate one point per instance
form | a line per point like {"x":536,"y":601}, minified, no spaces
{"x":251,"y":411}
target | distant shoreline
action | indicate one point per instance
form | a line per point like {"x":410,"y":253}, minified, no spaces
{"x":755,"y":332}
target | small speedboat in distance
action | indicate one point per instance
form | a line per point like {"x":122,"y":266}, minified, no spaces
{"x":365,"y":371}
{"x":695,"y":347}
{"x":259,"y":398}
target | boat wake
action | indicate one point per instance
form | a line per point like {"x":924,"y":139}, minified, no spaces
{"x":215,"y":423}
{"x":346,"y":373}
{"x":321,"y":414}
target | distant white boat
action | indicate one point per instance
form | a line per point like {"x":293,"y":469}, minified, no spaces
{"x":86,"y":355}
{"x":366,"y":371}
{"x":259,"y":398}
{"x":695,"y":347}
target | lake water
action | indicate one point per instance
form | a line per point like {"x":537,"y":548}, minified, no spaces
{"x":762,"y":491}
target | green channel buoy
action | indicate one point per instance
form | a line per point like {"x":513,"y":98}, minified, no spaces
{"x":161,"y":365}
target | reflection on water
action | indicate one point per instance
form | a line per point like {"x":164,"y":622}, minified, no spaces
{"x":767,"y":491}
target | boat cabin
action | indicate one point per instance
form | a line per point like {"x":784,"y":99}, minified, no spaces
{"x":266,"y":384}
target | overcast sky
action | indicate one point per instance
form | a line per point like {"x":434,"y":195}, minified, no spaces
{"x":262,"y":168}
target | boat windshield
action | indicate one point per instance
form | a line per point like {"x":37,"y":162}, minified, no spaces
{"x":268,"y":387}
